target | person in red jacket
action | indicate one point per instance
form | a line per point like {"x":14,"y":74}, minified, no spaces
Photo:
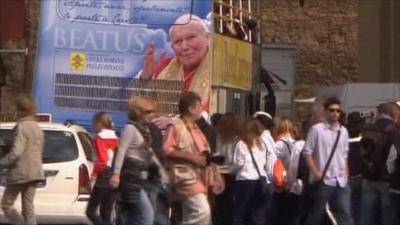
{"x":105,"y":142}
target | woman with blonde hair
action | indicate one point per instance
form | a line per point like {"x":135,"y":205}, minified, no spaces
{"x":133,"y":160}
{"x":283,"y":135}
{"x":288,"y":147}
{"x":249,"y":162}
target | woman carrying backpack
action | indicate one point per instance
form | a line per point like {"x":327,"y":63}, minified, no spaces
{"x":286,"y":198}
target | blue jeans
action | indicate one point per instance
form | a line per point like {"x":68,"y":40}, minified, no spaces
{"x":376,"y":207}
{"x":285,"y":209}
{"x":339,"y":201}
{"x":140,"y":213}
{"x":395,"y":199}
{"x":105,"y":198}
{"x":249,"y":205}
{"x":356,"y":184}
{"x":158,"y":199}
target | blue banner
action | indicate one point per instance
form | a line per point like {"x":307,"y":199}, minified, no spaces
{"x":92,"y":53}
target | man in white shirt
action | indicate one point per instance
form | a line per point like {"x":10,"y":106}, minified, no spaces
{"x":332,"y":187}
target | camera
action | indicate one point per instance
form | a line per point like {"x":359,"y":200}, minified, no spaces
{"x":210,"y":158}
{"x":4,"y":148}
{"x":367,"y":114}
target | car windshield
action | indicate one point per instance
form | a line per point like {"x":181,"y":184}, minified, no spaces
{"x":59,"y":146}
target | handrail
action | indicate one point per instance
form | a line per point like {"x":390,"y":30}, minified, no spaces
{"x":238,"y":8}
{"x":226,"y":18}
{"x":8,"y":51}
{"x":250,"y":32}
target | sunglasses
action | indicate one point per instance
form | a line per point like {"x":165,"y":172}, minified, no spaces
{"x":335,"y":110}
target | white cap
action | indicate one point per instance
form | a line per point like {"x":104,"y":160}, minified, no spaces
{"x":262,"y":113}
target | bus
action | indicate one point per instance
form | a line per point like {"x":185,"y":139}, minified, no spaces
{"x":236,"y":40}
{"x":93,"y":55}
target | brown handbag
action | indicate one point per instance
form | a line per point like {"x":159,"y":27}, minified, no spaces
{"x":183,"y":175}
{"x":214,"y":179}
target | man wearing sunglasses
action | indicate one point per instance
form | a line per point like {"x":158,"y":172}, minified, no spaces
{"x":326,"y":151}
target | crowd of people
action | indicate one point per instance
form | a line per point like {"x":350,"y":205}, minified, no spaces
{"x":260,"y":170}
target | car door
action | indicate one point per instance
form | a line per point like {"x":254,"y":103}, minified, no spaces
{"x":61,"y":162}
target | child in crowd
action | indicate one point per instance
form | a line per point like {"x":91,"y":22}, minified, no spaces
{"x":105,"y":143}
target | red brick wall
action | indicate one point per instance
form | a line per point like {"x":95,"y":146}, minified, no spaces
{"x":12,"y":14}
{"x":18,"y":68}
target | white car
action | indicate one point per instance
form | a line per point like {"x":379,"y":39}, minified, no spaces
{"x":67,"y":164}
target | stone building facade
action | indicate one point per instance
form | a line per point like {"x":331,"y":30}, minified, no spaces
{"x":325,"y":37}
{"x":324,"y":34}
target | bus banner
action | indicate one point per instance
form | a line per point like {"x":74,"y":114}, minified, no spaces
{"x":93,"y":55}
{"x":233,"y":65}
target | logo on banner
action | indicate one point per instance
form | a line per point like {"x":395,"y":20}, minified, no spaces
{"x":77,"y":61}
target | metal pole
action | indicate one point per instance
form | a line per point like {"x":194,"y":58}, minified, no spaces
{"x":9,"y":51}
{"x":249,"y":10}
{"x":231,"y":10}
{"x":2,"y":80}
{"x":221,"y":21}
{"x":241,"y":12}
{"x":259,"y":26}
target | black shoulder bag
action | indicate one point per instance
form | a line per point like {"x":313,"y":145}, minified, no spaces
{"x":261,"y":180}
{"x":309,"y":191}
